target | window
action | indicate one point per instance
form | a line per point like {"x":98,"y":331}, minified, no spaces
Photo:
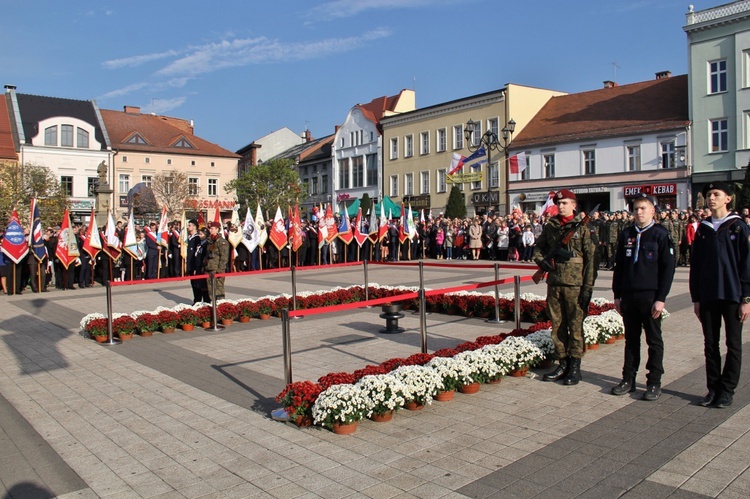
{"x":493,"y":126}
{"x":124,"y":159}
{"x":408,"y":184}
{"x":358,"y":171}
{"x":441,"y":140}
{"x":213,"y":186}
{"x":136,"y":139}
{"x":168,"y":185}
{"x":634,"y":158}
{"x":667,"y":154}
{"x":82,"y":139}
{"x":147,"y":160}
{"x":526,"y":173}
{"x":324,"y":184}
{"x":213,"y":164}
{"x":124,"y":183}
{"x":494,"y":171}
{"x":424,"y":182}
{"x":67,"y":185}
{"x":476,"y":136}
{"x":183,"y":144}
{"x":549,"y":165}
{"x":589,"y":162}
{"x":193,"y":186}
{"x":408,"y":146}
{"x":146,"y":179}
{"x":477,"y":185}
{"x":717,"y":76}
{"x":169,"y":161}
{"x":719,"y":136}
{"x":424,"y":143}
{"x":372,"y":169}
{"x":344,"y":173}
{"x":66,"y":135}
{"x":314,"y":186}
{"x":50,"y":136}
{"x":372,"y":136}
{"x":458,"y":137}
{"x":394,"y":185}
{"x":394,"y":148}
{"x":91,"y":186}
{"x":441,"y":187}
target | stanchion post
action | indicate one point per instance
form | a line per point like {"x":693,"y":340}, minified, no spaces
{"x":367,"y":281}
{"x":423,"y":318}
{"x":287,"y":344}
{"x":214,"y":315}
{"x":111,"y":341}
{"x":496,"y":319}
{"x":517,"y":294}
{"x":294,"y":289}
{"x":421,"y":287}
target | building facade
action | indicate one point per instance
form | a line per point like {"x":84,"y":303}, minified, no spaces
{"x":145,"y":145}
{"x":608,"y":145}
{"x":419,"y":146}
{"x":719,"y":97}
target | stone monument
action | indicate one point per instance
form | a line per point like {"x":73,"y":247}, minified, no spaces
{"x":103,"y":195}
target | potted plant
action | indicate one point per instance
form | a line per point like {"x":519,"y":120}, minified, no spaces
{"x":297,"y":399}
{"x":452,"y":373}
{"x":247,"y":309}
{"x":226,"y":311}
{"x":205,"y":315}
{"x":383,"y":394}
{"x":420,"y":384}
{"x":265,"y":308}
{"x":167,"y":320}
{"x":123,"y":326}
{"x":187,"y":319}
{"x":146,"y":323}
{"x":96,"y":326}
{"x":339,"y":408}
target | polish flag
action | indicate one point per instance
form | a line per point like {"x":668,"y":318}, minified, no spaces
{"x":278,"y":231}
{"x":549,"y":208}
{"x":518,"y":163}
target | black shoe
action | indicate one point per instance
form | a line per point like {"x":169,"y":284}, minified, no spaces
{"x":627,"y":385}
{"x":574,"y":373}
{"x":559,"y":373}
{"x":723,"y":401}
{"x":652,"y":393}
{"x":709,"y":399}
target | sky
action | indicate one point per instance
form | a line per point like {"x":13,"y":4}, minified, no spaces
{"x":244,"y":68}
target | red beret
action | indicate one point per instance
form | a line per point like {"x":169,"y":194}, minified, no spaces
{"x":215,"y":224}
{"x":564,"y":194}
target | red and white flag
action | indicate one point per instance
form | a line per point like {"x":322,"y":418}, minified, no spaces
{"x":456,"y":163}
{"x":93,"y":243}
{"x":67,"y":246}
{"x":331,"y":224}
{"x":322,"y":228}
{"x":549,"y":208}
{"x":296,"y":228}
{"x":517,"y":163}
{"x":14,"y":245}
{"x":278,"y":230}
{"x":162,"y":234}
{"x":383,"y":226}
{"x":358,"y":235}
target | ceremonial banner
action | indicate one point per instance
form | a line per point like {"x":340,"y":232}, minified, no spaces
{"x":67,"y":246}
{"x":322,"y":228}
{"x":14,"y":245}
{"x":131,"y":243}
{"x":359,"y":236}
{"x":462,"y":178}
{"x":250,"y":233}
{"x":278,"y":230}
{"x":412,"y":227}
{"x":296,"y":227}
{"x":113,"y":248}
{"x":260,"y":224}
{"x":235,"y":236}
{"x":93,"y":242}
{"x":383,"y":225}
{"x":183,"y":236}
{"x":37,"y":241}
{"x":162,"y":235}
{"x":330,"y":224}
{"x":345,"y":230}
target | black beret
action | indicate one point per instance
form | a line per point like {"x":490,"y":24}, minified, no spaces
{"x":726,"y":187}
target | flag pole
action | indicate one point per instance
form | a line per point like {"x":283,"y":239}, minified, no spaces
{"x":38,"y":276}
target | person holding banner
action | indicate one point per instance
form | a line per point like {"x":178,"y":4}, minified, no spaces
{"x":217,"y":258}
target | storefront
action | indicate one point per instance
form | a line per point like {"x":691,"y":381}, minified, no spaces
{"x":80,"y":210}
{"x":665,"y":194}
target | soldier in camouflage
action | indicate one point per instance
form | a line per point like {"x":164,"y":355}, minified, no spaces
{"x":613,"y":232}
{"x":570,"y":283}
{"x":217,"y":258}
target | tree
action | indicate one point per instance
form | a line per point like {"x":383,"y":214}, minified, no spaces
{"x":172,"y":189}
{"x":365,"y":203}
{"x":455,"y":208}
{"x":743,"y":193}
{"x":273,"y":183}
{"x":20,"y":183}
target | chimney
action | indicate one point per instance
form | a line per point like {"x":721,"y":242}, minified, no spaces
{"x":336,"y":128}
{"x":9,"y":88}
{"x":661,"y":75}
{"x":132,"y":109}
{"x":610,"y":84}
{"x":308,"y":136}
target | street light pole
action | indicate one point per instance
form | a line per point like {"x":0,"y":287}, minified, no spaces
{"x":490,"y":141}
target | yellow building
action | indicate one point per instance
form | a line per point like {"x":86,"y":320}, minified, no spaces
{"x":418,"y":148}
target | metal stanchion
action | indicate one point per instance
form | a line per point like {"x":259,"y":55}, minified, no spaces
{"x":517,"y":293}
{"x":421,"y":286}
{"x":281,"y":414}
{"x":496,"y":319}
{"x":214,"y":316}
{"x":110,"y":340}
{"x":294,"y":290}
{"x":423,"y":318}
{"x":367,"y":283}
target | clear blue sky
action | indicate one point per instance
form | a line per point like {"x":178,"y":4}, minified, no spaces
{"x":243,"y":68}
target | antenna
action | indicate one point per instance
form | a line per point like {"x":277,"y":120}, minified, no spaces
{"x":615,"y":67}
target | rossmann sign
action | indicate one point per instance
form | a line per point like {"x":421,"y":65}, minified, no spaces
{"x":651,"y":190}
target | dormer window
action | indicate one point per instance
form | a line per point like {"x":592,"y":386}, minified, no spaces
{"x":183,"y":143}
{"x":137,"y":140}
{"x":50,"y":136}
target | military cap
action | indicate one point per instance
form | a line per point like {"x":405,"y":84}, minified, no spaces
{"x":564,"y":194}
{"x":215,"y":224}
{"x":726,"y":187}
{"x":643,"y":195}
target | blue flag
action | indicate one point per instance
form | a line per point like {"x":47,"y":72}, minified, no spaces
{"x":37,"y":242}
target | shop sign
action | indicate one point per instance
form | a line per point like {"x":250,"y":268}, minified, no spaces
{"x":650,"y":190}
{"x":485,"y":198}
{"x":202,"y":204}
{"x":421,"y":202}
{"x":589,"y":190}
{"x":464,"y":178}
{"x":81,"y":205}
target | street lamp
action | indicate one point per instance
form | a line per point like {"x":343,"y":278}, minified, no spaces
{"x":490,"y":141}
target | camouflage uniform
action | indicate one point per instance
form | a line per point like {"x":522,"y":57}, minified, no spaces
{"x":216,"y":261}
{"x":614,"y":232}
{"x":565,"y":284}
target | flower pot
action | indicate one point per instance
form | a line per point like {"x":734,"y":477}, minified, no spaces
{"x":593,"y":346}
{"x":264,"y":317}
{"x":445,"y":396}
{"x":227,"y":322}
{"x":414,"y":406}
{"x":610,"y":341}
{"x":620,"y":337}
{"x":382,"y":418}
{"x":244,"y":318}
{"x":495,"y":381}
{"x":188,"y":327}
{"x":100,"y":338}
{"x":519,"y":373}
{"x":147,"y":333}
{"x":303,"y":421}
{"x":206,"y":324}
{"x":125,"y":336}
{"x":344,"y":429}
{"x":167,"y":330}
{"x":469,"y":388}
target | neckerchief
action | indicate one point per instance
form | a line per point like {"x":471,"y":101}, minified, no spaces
{"x":640,"y":231}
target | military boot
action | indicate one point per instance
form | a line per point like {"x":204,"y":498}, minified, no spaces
{"x":574,"y":373}
{"x":627,"y":385}
{"x":560,"y":372}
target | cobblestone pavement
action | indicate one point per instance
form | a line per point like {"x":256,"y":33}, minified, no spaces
{"x":187,"y":414}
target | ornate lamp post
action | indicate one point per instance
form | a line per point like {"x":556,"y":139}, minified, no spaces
{"x":490,"y":141}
